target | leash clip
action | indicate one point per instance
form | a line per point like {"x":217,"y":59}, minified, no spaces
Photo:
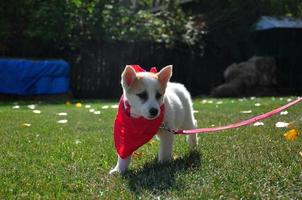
{"x":166,"y":128}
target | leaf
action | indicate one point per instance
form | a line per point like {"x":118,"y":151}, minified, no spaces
{"x":291,"y":134}
{"x":25,"y":125}
{"x":78,"y":105}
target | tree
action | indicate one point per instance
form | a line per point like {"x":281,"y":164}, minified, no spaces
{"x":71,"y":22}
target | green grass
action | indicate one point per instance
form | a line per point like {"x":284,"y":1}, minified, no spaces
{"x":71,"y":161}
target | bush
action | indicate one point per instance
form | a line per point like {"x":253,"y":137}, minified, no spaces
{"x":71,"y":22}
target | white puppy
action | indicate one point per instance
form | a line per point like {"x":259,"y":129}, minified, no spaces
{"x":146,"y":92}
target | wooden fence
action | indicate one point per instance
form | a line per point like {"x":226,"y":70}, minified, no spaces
{"x":97,"y":68}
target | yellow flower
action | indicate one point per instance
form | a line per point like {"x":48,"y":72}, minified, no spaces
{"x":67,"y":103}
{"x":78,"y":105}
{"x":291,"y":134}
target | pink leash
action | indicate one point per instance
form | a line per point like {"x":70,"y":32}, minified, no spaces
{"x":242,"y":123}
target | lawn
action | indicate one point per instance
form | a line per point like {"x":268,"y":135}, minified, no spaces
{"x":41,"y":158}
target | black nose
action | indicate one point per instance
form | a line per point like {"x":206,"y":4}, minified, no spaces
{"x":153,"y":112}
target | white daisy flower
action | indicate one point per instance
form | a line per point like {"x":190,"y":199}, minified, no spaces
{"x":281,"y":124}
{"x":97,"y":112}
{"x":105,"y":107}
{"x":114,"y":106}
{"x":258,"y":124}
{"x":246,"y":111}
{"x":63,"y":121}
{"x":32,"y":106}
{"x":16,"y":107}
{"x":37,"y":111}
{"x":284,"y":112}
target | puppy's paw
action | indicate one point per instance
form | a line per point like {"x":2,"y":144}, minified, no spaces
{"x":117,"y":170}
{"x":114,"y":171}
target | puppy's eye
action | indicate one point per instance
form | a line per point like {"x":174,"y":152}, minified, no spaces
{"x":158,"y":95}
{"x":143,"y":96}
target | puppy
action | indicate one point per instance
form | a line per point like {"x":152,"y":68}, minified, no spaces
{"x":150,"y":100}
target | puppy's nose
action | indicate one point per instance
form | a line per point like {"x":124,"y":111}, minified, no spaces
{"x":153,"y":112}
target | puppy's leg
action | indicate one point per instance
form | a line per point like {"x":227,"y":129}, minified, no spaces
{"x":121,"y":165}
{"x":192,"y":138}
{"x":166,"y":146}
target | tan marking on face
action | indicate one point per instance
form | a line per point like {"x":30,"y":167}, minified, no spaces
{"x":162,"y":90}
{"x":139,"y":85}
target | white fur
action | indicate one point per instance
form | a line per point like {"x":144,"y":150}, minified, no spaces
{"x":178,"y":115}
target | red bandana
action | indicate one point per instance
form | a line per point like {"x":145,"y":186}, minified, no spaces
{"x":131,"y":133}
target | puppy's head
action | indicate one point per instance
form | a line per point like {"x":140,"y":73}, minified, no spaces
{"x":145,"y":90}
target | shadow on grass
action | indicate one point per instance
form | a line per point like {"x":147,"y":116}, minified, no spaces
{"x":158,"y":178}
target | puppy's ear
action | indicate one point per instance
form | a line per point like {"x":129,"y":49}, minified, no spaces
{"x":128,"y":76}
{"x":164,"y":75}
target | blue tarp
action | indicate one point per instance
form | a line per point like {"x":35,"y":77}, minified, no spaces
{"x":31,"y":77}
{"x":267,"y":22}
